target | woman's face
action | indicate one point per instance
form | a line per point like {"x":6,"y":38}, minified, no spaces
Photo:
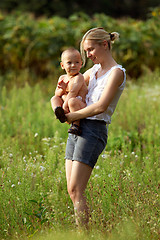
{"x":94,"y":51}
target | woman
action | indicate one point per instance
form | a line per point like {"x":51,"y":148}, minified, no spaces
{"x":106,"y":81}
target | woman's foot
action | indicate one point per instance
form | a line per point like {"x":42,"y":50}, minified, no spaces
{"x":59,"y":112}
{"x":75,"y":129}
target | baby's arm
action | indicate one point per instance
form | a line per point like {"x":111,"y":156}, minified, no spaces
{"x":61,"y":86}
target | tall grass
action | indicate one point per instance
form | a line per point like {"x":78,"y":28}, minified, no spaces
{"x":122,"y":192}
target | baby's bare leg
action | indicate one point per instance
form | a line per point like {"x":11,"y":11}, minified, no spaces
{"x":75,"y":104}
{"x":56,"y":102}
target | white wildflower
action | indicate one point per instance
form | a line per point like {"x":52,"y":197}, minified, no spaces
{"x":96,"y":176}
{"x":42,"y":168}
{"x":36,"y":135}
{"x":32,"y":174}
{"x":13,"y":185}
{"x":55,"y":146}
{"x":97,"y":167}
{"x":105,"y":155}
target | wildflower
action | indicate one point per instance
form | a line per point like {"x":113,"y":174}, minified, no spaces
{"x":109,"y":175}
{"x":33,"y":175}
{"x":13,"y":185}
{"x":105,"y":155}
{"x":19,"y":183}
{"x":133,"y":153}
{"x":42,"y":168}
{"x":136,"y":156}
{"x":97,"y":167}
{"x":55,"y":146}
{"x":10,"y":155}
{"x":96,"y":175}
{"x":44,"y":139}
{"x":125,"y":156}
{"x":36,"y":135}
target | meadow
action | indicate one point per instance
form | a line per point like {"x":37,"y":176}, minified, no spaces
{"x":123,"y":192}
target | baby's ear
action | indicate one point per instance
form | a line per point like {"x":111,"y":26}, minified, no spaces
{"x":61,"y":65}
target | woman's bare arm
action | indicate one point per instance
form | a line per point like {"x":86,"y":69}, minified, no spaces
{"x":114,"y":81}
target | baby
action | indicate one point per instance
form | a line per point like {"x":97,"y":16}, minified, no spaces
{"x":71,"y":89}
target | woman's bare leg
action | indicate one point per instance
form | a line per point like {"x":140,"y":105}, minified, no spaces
{"x":77,"y":175}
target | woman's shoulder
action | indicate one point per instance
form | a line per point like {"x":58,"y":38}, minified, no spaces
{"x":118,"y":73}
{"x":118,"y":66}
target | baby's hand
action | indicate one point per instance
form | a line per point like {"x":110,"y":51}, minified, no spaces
{"x":62,"y":84}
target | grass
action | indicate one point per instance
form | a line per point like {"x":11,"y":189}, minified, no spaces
{"x":122,"y":192}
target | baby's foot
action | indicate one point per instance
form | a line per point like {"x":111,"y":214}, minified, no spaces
{"x":59,"y":112}
{"x":75,"y":129}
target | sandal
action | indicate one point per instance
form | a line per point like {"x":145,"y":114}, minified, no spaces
{"x":75,"y":129}
{"x":59,"y":112}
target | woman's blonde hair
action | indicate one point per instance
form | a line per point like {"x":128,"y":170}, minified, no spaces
{"x":98,"y":35}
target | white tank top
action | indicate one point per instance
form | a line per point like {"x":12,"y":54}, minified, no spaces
{"x":95,"y":89}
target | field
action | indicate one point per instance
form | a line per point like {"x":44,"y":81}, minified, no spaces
{"x":123,"y":190}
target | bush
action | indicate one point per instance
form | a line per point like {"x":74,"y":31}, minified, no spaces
{"x":35,"y":44}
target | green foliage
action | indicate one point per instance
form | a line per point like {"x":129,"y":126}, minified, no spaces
{"x":123,"y":189}
{"x":34,"y":44}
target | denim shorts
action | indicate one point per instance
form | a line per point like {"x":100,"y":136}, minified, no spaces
{"x":87,"y":147}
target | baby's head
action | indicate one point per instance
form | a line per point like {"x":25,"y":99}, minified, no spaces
{"x":71,"y":61}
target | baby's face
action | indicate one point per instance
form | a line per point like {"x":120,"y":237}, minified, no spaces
{"x":71,"y":62}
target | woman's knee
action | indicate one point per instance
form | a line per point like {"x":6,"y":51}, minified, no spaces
{"x":74,"y":193}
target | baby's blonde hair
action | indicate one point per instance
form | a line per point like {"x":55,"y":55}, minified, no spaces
{"x":98,"y":35}
{"x":69,"y":50}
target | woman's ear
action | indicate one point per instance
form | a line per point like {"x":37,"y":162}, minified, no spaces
{"x":105,"y":44}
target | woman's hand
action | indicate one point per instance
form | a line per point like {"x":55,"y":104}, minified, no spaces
{"x":70,"y":117}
